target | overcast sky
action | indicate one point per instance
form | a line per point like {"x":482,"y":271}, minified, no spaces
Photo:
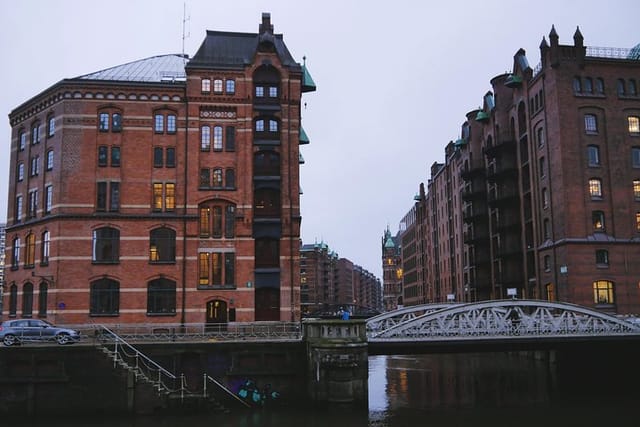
{"x":395,"y":80}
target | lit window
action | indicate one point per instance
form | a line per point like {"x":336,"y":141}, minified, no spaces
{"x":638,"y":222}
{"x":593,"y":155}
{"x":217,"y":219}
{"x":597,"y":218}
{"x":217,"y":138}
{"x":158,"y":123}
{"x":203,"y":276}
{"x":162,"y":245}
{"x":217,"y":86}
{"x":590,"y":123}
{"x":636,"y":189}
{"x":595,"y":187}
{"x":205,"y":138}
{"x":30,"y":253}
{"x":603,"y":292}
{"x":231,"y":86}
{"x":634,"y":124}
{"x":164,"y":196}
{"x":206,"y":85}
{"x":217,"y":177}
{"x":551,"y":295}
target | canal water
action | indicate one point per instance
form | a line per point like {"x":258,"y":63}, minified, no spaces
{"x":492,"y":389}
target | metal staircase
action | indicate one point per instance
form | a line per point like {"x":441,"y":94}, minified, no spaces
{"x":166,"y":384}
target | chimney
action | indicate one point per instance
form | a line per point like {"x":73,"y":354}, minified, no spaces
{"x":266,"y":26}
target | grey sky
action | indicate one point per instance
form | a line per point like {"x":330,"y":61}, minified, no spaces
{"x":395,"y":80}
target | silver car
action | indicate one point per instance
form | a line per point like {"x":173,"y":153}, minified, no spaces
{"x":30,"y":330}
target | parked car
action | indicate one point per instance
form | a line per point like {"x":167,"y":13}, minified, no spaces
{"x":31,"y":330}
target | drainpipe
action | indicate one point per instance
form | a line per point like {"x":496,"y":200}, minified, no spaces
{"x":184,"y":214}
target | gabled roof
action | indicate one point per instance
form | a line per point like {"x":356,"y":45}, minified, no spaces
{"x":222,"y":49}
{"x":161,"y":68}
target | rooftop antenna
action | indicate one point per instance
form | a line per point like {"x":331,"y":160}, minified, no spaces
{"x":185,"y":18}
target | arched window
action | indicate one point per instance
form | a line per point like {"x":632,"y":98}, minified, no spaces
{"x":27,"y":300}
{"x":106,"y":245}
{"x":30,"y":254}
{"x":161,"y":296}
{"x":266,"y":81}
{"x":217,"y":218}
{"x":42,"y":299}
{"x":13,"y":300}
{"x":205,"y":138}
{"x":104,"y":298}
{"x":162,"y":245}
{"x":217,"y":138}
{"x":205,"y":85}
{"x":603,"y":292}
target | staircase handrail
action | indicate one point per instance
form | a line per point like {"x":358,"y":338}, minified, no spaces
{"x":223,"y":388}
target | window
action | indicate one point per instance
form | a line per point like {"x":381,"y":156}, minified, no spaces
{"x":35,"y":134}
{"x":103,"y":122}
{"x":164,"y":196}
{"x":205,"y":86}
{"x":158,"y":125}
{"x":546,"y":229}
{"x":102,"y":155}
{"x":32,"y":207}
{"x":15,"y":251}
{"x":621,"y":87}
{"x":231,"y":86}
{"x":635,"y":157}
{"x":593,"y":155}
{"x":205,"y":177}
{"x":171,"y":123}
{"x":230,"y":178}
{"x":48,"y":199}
{"x":106,"y":245}
{"x":259,"y":125}
{"x":27,"y":300}
{"x":161,"y":296}
{"x":636,"y":189}
{"x":217,"y":177}
{"x":19,"y":206}
{"x":115,"y":157}
{"x":157,"y":157}
{"x":104,"y":298}
{"x":116,"y":122}
{"x":551,"y":294}
{"x":602,"y":257}
{"x":216,"y":269}
{"x":590,"y":123}
{"x":545,"y":198}
{"x":49,"y":160}
{"x":101,"y":196}
{"x":217,"y":86}
{"x":597,"y":219}
{"x":215,"y":215}
{"x":30,"y":250}
{"x":13,"y":300}
{"x":217,"y":138}
{"x":205,"y":138}
{"x":638,"y":222}
{"x":114,"y":197}
{"x":35,"y":165}
{"x":547,"y":263}
{"x":542,"y":167}
{"x":273,"y":126}
{"x":603,"y":292}
{"x":595,"y":188}
{"x":170,"y":160}
{"x":259,"y":91}
{"x":577,"y":85}
{"x":634,"y":125}
{"x":632,"y":88}
{"x":22,"y":140}
{"x":45,"y":249}
{"x":230,"y":143}
{"x":51,"y":126}
{"x":20,"y":172}
{"x":162,"y":245}
{"x":42,"y":299}
{"x":599,"y":86}
{"x":588,"y":85}
{"x":540,"y":134}
{"x":273,"y":92}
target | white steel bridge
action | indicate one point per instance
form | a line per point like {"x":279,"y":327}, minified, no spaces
{"x":504,"y":321}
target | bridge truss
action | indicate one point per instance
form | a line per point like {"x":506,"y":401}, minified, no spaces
{"x":495,"y":319}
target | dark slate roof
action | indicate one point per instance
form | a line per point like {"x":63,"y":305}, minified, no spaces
{"x":159,"y":68}
{"x":235,"y":50}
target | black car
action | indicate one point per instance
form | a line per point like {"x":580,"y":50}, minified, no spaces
{"x":29,"y":330}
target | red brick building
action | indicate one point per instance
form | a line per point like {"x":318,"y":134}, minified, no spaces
{"x":540,"y":196}
{"x":162,"y":190}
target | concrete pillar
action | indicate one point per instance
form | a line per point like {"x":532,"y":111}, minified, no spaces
{"x":337,"y":362}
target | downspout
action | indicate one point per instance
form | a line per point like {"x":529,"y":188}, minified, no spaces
{"x":291,"y":260}
{"x":184,"y":214}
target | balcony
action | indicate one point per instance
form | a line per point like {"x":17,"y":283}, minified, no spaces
{"x":500,"y":147}
{"x":473,"y":192}
{"x":471,"y":172}
{"x":471,"y":213}
{"x":503,"y":170}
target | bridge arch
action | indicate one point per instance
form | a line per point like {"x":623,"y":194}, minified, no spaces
{"x":495,"y":319}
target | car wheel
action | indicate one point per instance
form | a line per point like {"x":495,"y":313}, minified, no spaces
{"x":62,"y":339}
{"x":9,"y":340}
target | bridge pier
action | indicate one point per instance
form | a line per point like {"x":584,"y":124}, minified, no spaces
{"x":337,"y":362}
